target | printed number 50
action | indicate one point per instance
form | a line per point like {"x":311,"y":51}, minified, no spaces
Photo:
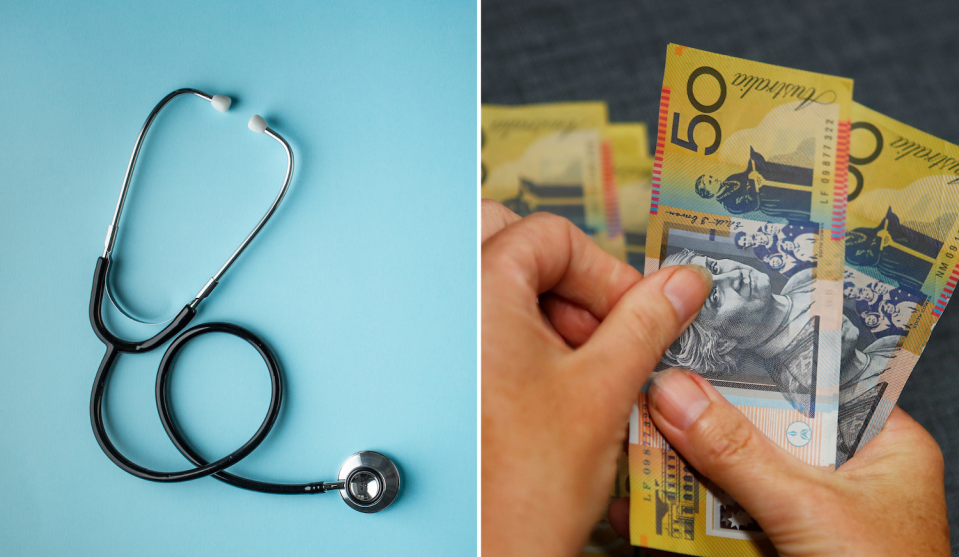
{"x":689,"y":142}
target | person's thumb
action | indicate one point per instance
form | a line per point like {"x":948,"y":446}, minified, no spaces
{"x":721,"y":443}
{"x":645,"y":321}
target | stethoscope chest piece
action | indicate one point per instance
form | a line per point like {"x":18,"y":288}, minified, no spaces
{"x":371,"y":481}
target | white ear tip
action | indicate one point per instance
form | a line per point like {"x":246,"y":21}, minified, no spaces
{"x":257,"y":124}
{"x":221,"y":102}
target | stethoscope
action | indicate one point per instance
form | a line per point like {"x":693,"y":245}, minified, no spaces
{"x":368,"y":481}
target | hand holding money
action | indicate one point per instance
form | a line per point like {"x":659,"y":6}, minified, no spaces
{"x":830,"y":234}
{"x":889,"y":500}
{"x":549,"y":414}
{"x":553,"y":416}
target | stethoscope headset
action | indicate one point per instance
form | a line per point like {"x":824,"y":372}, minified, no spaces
{"x":368,"y":481}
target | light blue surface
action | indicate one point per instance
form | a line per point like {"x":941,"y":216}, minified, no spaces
{"x":364,"y":284}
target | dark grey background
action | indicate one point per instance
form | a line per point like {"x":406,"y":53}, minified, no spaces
{"x":904,"y":58}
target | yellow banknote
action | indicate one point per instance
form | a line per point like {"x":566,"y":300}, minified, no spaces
{"x":633,"y":173}
{"x":625,"y":150}
{"x":549,"y":158}
{"x":902,"y":246}
{"x":749,"y":180}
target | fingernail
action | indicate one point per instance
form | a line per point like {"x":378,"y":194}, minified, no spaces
{"x":677,"y":398}
{"x":685,"y":289}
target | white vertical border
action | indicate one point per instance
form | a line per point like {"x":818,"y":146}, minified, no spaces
{"x":634,"y":425}
{"x":479,"y":287}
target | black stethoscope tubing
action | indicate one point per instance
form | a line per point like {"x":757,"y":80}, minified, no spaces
{"x":368,"y":481}
{"x":116,"y":346}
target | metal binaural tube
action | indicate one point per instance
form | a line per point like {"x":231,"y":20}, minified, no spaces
{"x":211,"y":284}
{"x":221,"y":103}
{"x":112,"y":229}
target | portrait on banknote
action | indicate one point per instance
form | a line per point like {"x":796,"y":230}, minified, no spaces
{"x":755,"y":330}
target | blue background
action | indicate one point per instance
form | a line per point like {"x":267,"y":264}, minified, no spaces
{"x":363,"y":284}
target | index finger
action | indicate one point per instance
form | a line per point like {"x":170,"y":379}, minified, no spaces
{"x":544,"y":252}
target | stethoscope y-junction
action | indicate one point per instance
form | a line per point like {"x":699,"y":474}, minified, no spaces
{"x":368,"y":481}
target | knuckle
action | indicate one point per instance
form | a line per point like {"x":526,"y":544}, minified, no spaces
{"x":931,"y":453}
{"x":491,"y":204}
{"x":494,"y":218}
{"x":544,"y":229}
{"x":929,"y":445}
{"x":547,"y":220}
{"x":924,"y":448}
{"x":493,"y":257}
{"x":500,"y":262}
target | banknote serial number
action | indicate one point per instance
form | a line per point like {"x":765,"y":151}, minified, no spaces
{"x":647,"y":427}
{"x":949,"y":253}
{"x":943,"y":267}
{"x":828,"y":152}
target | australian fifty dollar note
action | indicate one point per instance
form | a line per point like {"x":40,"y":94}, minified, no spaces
{"x":550,"y":158}
{"x":626,"y":145}
{"x":746,"y":152}
{"x":902,"y":247}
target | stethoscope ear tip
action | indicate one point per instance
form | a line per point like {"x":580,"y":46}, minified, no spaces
{"x":257,"y":124}
{"x":221,"y":102}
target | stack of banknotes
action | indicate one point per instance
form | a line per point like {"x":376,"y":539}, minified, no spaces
{"x":568,"y":159}
{"x":832,"y":233}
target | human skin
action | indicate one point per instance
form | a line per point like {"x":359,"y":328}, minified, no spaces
{"x":570,"y":334}
{"x":887,"y":500}
{"x":553,"y":416}
{"x":742,"y":295}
